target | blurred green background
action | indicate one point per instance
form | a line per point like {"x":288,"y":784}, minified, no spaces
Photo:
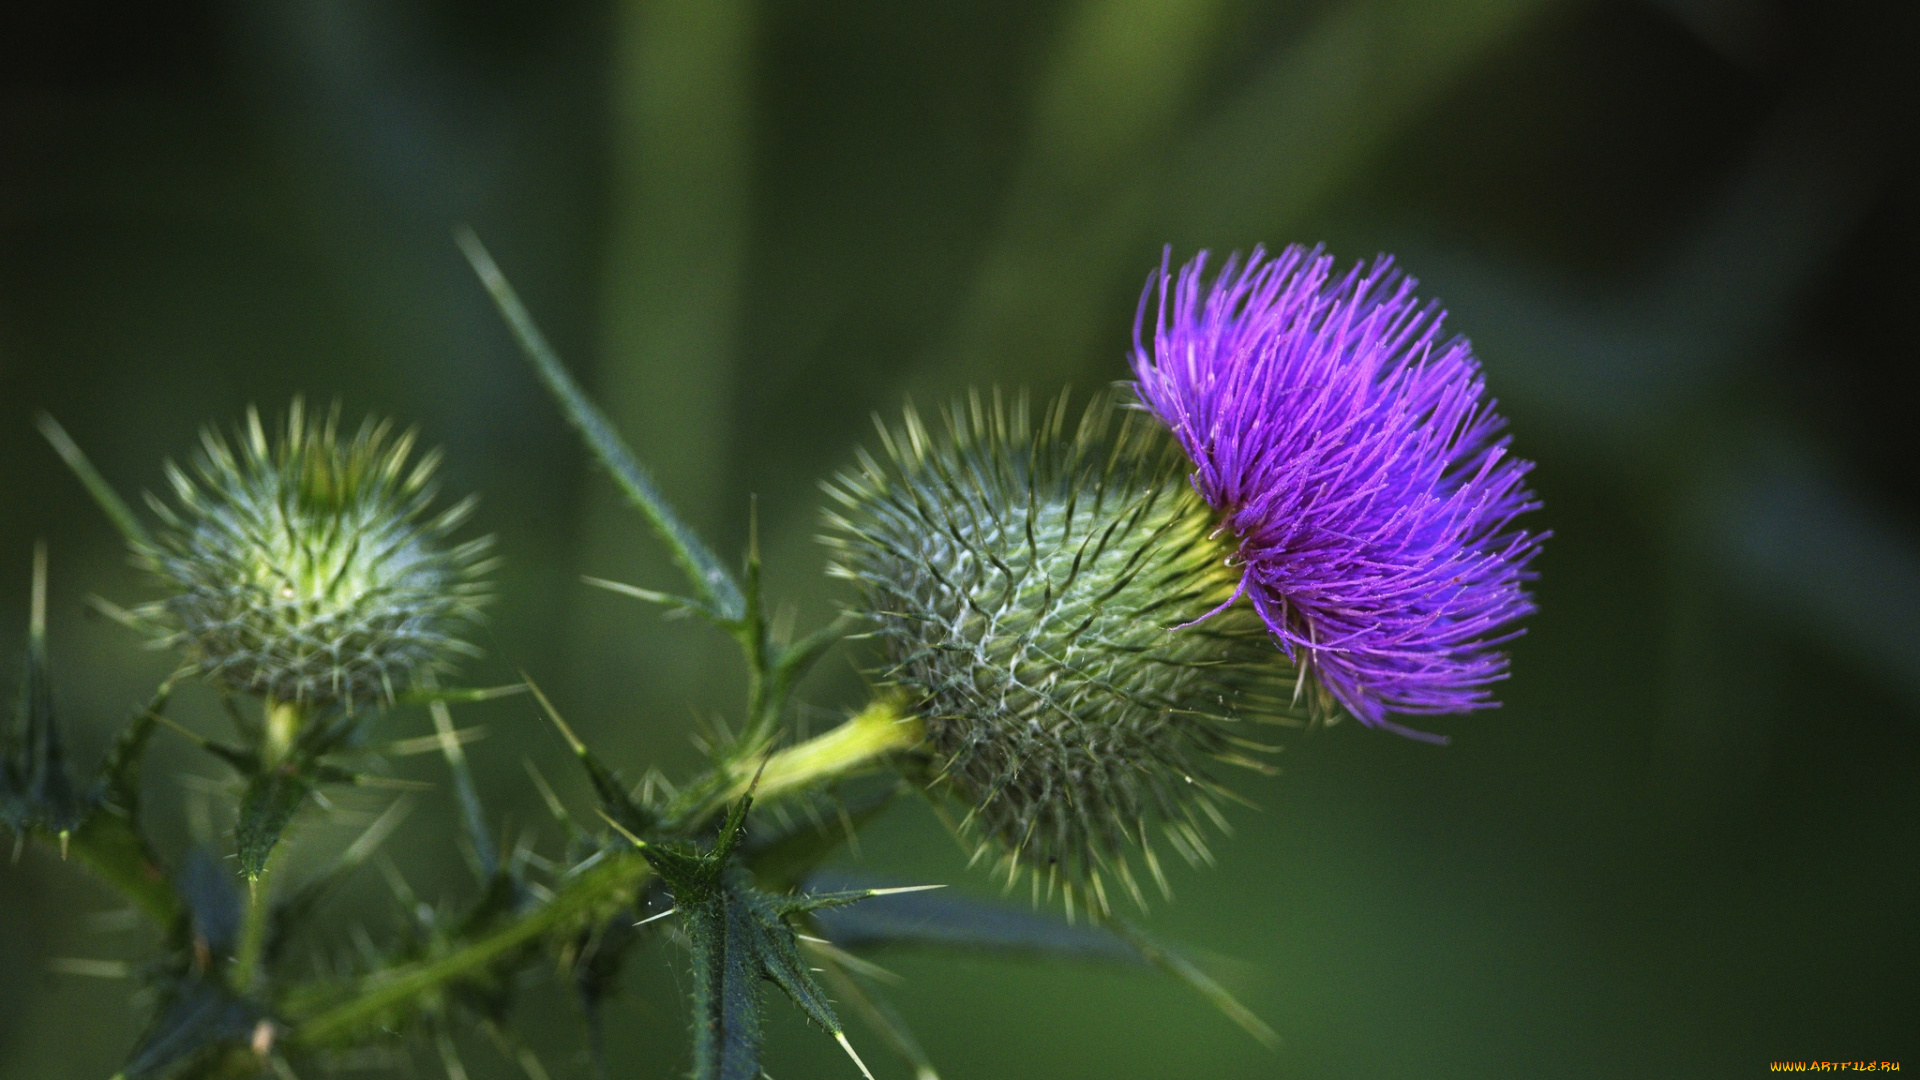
{"x":1680,"y":232}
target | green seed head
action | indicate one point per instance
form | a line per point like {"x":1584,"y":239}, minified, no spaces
{"x":311,"y":569}
{"x":1058,"y":607}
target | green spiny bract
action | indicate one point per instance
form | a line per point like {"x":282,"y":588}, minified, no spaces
{"x":311,"y":569}
{"x":1059,"y":608}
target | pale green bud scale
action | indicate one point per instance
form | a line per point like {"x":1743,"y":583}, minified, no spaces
{"x":313,"y":569}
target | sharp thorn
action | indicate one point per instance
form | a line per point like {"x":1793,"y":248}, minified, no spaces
{"x":841,"y":1038}
{"x":619,"y":828}
{"x":654,"y":918}
{"x":896,"y":890}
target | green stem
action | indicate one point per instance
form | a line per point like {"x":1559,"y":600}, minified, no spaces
{"x":281,"y":735}
{"x":109,"y":844}
{"x":245,"y":972}
{"x":874,"y":732}
{"x":612,"y":882}
{"x":284,"y":721}
{"x":880,"y":729}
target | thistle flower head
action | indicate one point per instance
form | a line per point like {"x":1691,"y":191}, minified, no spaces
{"x":313,"y":569}
{"x":1355,"y":456}
{"x":1036,"y":592}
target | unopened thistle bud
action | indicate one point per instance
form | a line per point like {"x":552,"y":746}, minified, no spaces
{"x":313,"y":570}
{"x":1060,"y":609}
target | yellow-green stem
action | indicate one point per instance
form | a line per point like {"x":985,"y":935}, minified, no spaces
{"x":616,"y":880}
{"x":247,"y":959}
{"x":880,"y":729}
{"x":284,"y":721}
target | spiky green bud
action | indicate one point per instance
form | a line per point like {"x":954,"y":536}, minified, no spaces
{"x":312,"y":569}
{"x":1058,"y":608}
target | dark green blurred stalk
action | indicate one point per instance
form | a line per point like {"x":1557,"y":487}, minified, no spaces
{"x":1321,"y":111}
{"x":677,"y":218}
{"x":1123,"y":75}
{"x":677,"y":237}
{"x":1118,"y":162}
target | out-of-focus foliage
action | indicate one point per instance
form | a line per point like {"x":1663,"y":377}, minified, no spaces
{"x":1680,"y":234}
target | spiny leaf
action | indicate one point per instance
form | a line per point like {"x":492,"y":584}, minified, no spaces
{"x":878,"y":1013}
{"x":200,"y":1026}
{"x":116,"y":508}
{"x":215,"y":907}
{"x":266,"y":808}
{"x":619,"y":806}
{"x":726,"y":990}
{"x":120,"y":777}
{"x":42,"y":790}
{"x":739,"y":935}
{"x":780,"y":954}
{"x":1174,"y":963}
{"x":719,"y":594}
{"x":956,"y":922}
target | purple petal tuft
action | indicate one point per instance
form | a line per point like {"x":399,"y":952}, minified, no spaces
{"x":1355,"y":454}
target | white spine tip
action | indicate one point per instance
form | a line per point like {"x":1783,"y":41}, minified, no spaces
{"x":841,"y":1038}
{"x":895,"y":891}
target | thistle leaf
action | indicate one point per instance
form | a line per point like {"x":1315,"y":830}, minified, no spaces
{"x":1174,"y":963}
{"x":946,"y":921}
{"x":963,"y":924}
{"x":266,"y":808}
{"x":716,"y":589}
{"x":739,"y":935}
{"x":119,"y":782}
{"x":726,"y":990}
{"x":201,"y":1025}
{"x":38,"y":792}
{"x":115,"y":507}
{"x":619,"y":806}
{"x":215,"y":907}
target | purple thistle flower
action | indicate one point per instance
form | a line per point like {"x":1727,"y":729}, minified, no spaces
{"x":1354,"y":454}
